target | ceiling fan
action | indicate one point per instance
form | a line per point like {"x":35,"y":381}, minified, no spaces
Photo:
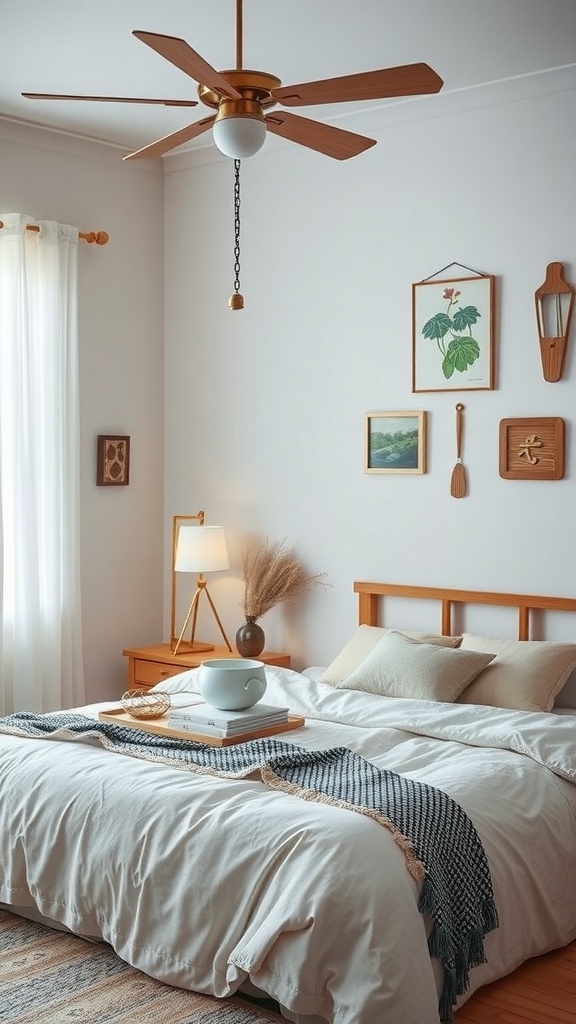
{"x":241,"y":97}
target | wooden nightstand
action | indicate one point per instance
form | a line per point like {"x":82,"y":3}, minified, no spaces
{"x":150,"y":665}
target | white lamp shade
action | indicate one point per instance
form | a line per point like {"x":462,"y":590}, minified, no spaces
{"x":201,"y":549}
{"x":239,"y":137}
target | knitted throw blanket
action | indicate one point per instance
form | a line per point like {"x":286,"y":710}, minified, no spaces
{"x":440,"y":842}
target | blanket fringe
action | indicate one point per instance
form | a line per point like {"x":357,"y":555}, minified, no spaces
{"x":456,"y":962}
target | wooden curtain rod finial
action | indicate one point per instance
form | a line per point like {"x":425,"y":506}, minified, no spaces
{"x":100,"y":237}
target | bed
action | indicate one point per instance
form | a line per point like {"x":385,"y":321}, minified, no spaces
{"x":219,"y":882}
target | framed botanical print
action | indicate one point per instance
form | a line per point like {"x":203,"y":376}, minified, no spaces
{"x":395,"y":442}
{"x":453,"y":334}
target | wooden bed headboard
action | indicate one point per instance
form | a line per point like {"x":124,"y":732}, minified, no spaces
{"x":371,"y":595}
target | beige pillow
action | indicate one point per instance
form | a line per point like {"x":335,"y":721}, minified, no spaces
{"x":363,"y":642}
{"x":525,"y":675}
{"x":567,"y":696}
{"x":400,"y":666}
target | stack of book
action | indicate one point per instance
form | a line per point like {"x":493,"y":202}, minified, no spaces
{"x":205,"y":720}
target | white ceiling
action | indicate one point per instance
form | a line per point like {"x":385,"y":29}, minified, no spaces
{"x":86,"y":46}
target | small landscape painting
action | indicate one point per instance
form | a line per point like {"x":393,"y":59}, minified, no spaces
{"x":395,"y":442}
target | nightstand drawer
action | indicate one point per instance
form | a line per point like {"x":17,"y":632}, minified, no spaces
{"x":148,"y":673}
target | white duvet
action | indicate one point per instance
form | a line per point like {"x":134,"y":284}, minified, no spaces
{"x":206,"y":882}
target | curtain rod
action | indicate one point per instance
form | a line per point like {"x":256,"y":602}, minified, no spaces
{"x":100,"y":237}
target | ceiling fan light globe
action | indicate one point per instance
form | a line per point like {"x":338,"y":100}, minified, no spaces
{"x":239,"y":137}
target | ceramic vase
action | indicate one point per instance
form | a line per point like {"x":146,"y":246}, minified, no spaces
{"x":250,"y":639}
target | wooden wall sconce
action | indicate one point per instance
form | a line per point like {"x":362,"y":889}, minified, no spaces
{"x":554,"y":302}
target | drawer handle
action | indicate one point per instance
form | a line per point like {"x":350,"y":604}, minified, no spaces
{"x":164,"y":673}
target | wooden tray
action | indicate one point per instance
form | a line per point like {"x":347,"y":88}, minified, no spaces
{"x":159,"y":726}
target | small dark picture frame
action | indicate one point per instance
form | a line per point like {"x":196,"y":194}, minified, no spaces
{"x":113,"y":468}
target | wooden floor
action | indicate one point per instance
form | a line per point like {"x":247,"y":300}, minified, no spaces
{"x":541,"y":991}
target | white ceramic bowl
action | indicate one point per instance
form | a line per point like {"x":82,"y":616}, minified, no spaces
{"x":232,"y":684}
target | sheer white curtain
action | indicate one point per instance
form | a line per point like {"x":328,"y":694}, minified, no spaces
{"x":40,"y":624}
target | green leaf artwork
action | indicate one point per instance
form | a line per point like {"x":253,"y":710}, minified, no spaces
{"x":452,"y":332}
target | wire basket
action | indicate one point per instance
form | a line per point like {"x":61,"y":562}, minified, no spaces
{"x":141,"y":704}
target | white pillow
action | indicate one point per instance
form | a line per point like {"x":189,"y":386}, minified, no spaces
{"x":363,"y":642}
{"x":526,"y":675}
{"x":400,"y":666}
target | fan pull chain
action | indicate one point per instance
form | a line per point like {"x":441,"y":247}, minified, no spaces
{"x":236,"y":301}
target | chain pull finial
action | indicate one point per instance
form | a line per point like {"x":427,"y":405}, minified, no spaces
{"x":236,"y":301}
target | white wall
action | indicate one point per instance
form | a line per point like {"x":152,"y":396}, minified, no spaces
{"x":265,"y":407}
{"x":49,"y":176}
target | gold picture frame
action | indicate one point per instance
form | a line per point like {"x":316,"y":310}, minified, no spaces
{"x":177,"y":522}
{"x":395,"y":442}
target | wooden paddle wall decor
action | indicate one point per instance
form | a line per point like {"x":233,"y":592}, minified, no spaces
{"x":458,"y":482}
{"x":554,"y":302}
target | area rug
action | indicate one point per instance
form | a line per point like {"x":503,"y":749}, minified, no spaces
{"x":52,"y":977}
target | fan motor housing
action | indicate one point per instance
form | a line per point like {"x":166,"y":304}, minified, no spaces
{"x":255,"y":87}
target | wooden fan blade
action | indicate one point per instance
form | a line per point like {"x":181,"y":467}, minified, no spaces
{"x":179,"y":53}
{"x":191,"y":131}
{"x":108,"y":99}
{"x":324,"y":138}
{"x":406,"y":80}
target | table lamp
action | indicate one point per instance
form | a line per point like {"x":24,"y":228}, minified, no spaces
{"x":196,"y":549}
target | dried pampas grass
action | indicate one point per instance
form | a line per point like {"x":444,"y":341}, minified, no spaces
{"x":273,"y":574}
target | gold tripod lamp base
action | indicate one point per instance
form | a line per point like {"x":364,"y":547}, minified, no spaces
{"x":198,"y":549}
{"x":178,"y":646}
{"x":195,"y":645}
